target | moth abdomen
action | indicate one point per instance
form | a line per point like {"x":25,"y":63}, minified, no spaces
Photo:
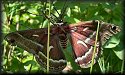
{"x":63,"y":43}
{"x":63,"y":40}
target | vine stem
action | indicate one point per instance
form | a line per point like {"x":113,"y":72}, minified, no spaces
{"x":93,"y":55}
{"x":48,"y":41}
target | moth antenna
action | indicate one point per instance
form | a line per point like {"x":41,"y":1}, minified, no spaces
{"x":57,"y":13}
{"x":47,"y":17}
{"x":55,"y":16}
{"x":51,"y":19}
{"x":56,"y":10}
{"x":63,"y":10}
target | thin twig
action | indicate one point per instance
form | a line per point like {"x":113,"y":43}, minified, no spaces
{"x":48,"y":39}
{"x":93,"y":56}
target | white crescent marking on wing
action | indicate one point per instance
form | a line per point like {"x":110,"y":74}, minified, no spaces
{"x":85,"y":29}
{"x":35,"y":35}
{"x":89,"y":38}
{"x":72,"y":31}
{"x":94,"y":33}
{"x":56,"y":61}
{"x":50,"y":47}
{"x":81,"y":42}
{"x":84,"y":56}
{"x":87,"y":65}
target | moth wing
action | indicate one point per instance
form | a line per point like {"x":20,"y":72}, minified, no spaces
{"x":82,"y":41}
{"x":35,"y":41}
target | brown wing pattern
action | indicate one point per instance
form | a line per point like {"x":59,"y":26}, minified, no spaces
{"x":83,"y":39}
{"x":35,"y":42}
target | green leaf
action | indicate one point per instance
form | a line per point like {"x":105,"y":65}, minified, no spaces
{"x":17,"y":66}
{"x":4,"y":62}
{"x":119,"y":54}
{"x":71,"y":19}
{"x":69,"y":57}
{"x":112,"y":42}
{"x":69,"y":12}
{"x":30,"y":62}
{"x":45,"y":23}
{"x":34,"y":11}
{"x":119,"y":51}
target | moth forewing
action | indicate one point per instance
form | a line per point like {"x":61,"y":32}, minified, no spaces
{"x":34,"y":41}
{"x":83,"y":39}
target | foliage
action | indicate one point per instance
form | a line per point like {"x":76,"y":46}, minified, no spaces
{"x":27,"y":15}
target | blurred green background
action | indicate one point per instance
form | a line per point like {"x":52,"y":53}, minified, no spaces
{"x":23,"y":15}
